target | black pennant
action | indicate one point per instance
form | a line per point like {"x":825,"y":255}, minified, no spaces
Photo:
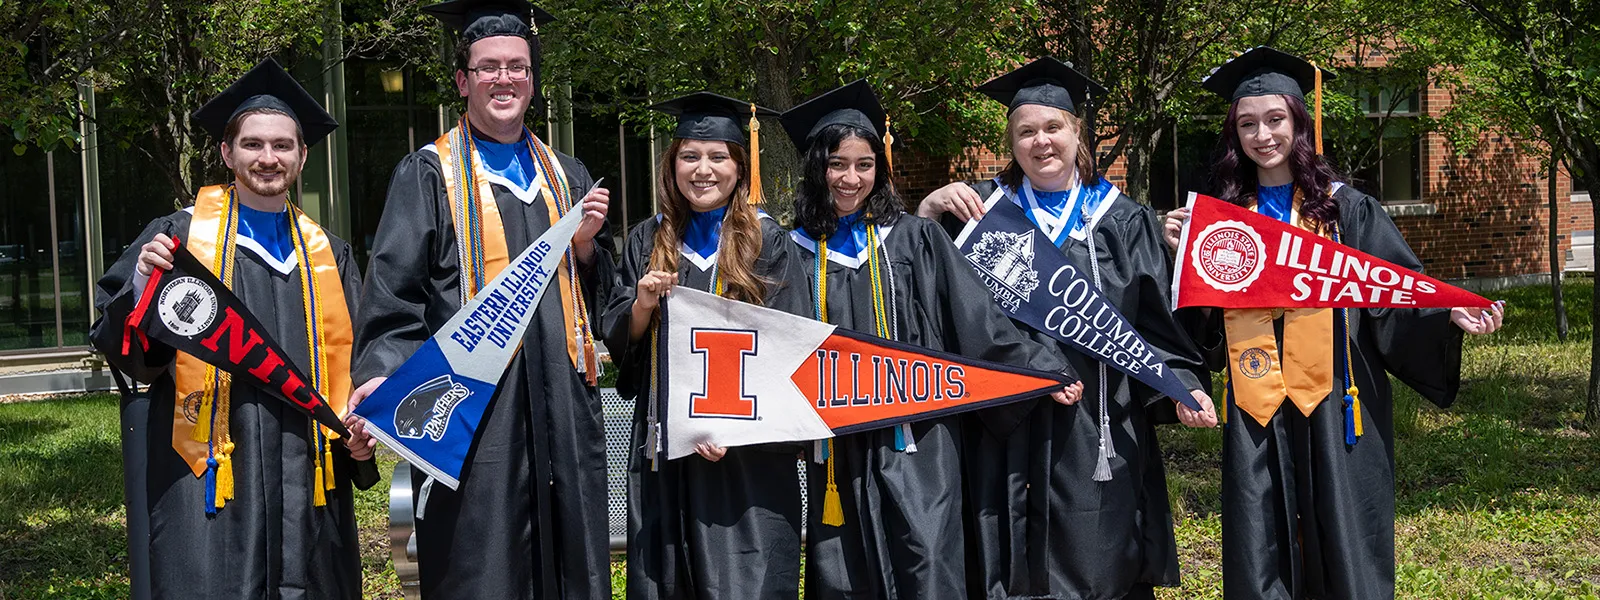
{"x":189,"y":309}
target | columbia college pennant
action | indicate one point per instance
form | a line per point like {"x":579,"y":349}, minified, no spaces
{"x":189,"y":309}
{"x":428,"y":411}
{"x":737,"y":374}
{"x":1232,"y":257}
{"x":1035,"y":283}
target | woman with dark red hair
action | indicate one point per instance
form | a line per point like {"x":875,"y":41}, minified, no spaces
{"x":1308,"y":487}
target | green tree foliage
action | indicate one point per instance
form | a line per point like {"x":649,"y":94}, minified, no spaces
{"x":153,"y":62}
{"x":1530,"y":69}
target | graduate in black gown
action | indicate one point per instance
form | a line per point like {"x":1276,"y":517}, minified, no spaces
{"x":878,"y":270}
{"x":248,"y":497}
{"x":1062,"y":509}
{"x":529,"y":518}
{"x":724,"y":523}
{"x":1307,"y":503}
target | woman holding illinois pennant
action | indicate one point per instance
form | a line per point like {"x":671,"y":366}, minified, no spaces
{"x":1308,"y":459}
{"x":725,"y":523}
{"x":891,"y":499}
{"x":1075,"y":505}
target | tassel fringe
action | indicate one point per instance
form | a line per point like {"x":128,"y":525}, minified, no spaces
{"x":1102,"y":467}
{"x":755,"y":157}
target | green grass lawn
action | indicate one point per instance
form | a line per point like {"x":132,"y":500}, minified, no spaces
{"x":1498,"y":497}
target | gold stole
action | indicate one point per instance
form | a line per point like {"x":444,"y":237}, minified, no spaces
{"x":480,"y":232}
{"x":1305,"y":376}
{"x":200,"y":431}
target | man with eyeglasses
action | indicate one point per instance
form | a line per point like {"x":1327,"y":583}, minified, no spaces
{"x":529,"y":517}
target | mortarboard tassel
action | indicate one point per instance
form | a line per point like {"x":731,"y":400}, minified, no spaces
{"x":1317,"y":88}
{"x":832,"y":508}
{"x":755,"y":157}
{"x":888,"y":144}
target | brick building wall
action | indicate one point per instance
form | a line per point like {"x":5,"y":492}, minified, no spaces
{"x":1483,"y":214}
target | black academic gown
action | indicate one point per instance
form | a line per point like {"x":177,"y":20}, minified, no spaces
{"x":1303,"y":514}
{"x":699,"y":529}
{"x":529,"y":520}
{"x":903,"y":536}
{"x":1044,"y":526}
{"x":269,"y":541}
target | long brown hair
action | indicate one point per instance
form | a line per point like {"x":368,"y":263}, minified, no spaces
{"x":741,"y":229}
{"x":1011,"y":176}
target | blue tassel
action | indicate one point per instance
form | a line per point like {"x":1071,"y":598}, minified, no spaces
{"x":899,"y":439}
{"x":211,"y":486}
{"x":1350,"y":437}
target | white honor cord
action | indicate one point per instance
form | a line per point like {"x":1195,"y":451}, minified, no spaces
{"x":894,"y":330}
{"x":1107,"y":449}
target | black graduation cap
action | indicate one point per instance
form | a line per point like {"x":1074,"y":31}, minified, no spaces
{"x":478,"y":19}
{"x":851,"y":104}
{"x":711,"y":117}
{"x":267,"y":86}
{"x":1046,"y":82}
{"x":1263,"y":71}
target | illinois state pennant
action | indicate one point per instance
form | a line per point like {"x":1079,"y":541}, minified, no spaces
{"x":1035,"y":283}
{"x":737,"y":374}
{"x":189,"y":309}
{"x":428,"y":411}
{"x":1231,"y":257}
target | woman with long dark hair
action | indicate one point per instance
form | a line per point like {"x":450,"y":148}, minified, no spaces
{"x":1308,"y":487}
{"x":892,"y":499}
{"x":1075,"y":504}
{"x":724,"y":523}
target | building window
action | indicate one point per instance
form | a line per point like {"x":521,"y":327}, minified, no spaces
{"x":1391,"y":169}
{"x":44,"y":283}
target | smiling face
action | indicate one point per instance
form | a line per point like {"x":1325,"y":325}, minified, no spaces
{"x":852,"y":171}
{"x":495,"y":103}
{"x":266,"y":155}
{"x":706,"y":173}
{"x":1045,"y":144}
{"x":1266,"y":132}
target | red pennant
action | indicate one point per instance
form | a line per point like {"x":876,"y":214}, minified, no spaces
{"x":1235,"y":258}
{"x":858,"y":382}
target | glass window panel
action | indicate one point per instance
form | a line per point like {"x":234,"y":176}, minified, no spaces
{"x":27,"y":293}
{"x":76,"y":289}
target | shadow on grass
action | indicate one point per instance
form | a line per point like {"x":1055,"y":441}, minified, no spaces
{"x":61,"y":500}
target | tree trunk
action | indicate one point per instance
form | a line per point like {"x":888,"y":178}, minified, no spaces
{"x":1587,"y":163}
{"x":780,"y":160}
{"x":1555,"y":247}
{"x":1141,"y":153}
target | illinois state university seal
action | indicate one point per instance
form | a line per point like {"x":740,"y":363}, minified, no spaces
{"x":1229,"y":255}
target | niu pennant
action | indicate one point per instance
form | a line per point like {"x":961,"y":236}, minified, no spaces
{"x":736,"y":374}
{"x":189,"y":309}
{"x":429,"y":410}
{"x":1035,"y":283}
{"x":1231,"y":257}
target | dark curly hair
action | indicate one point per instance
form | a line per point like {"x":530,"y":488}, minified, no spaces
{"x":813,"y":204}
{"x":1235,"y":173}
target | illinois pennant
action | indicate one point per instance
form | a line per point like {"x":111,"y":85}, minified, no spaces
{"x":189,"y":309}
{"x":737,"y":374}
{"x":1231,"y":257}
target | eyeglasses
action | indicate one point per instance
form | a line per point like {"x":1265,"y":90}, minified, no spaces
{"x":487,"y":74}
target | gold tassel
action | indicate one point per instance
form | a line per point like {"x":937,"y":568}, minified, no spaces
{"x":318,"y":498}
{"x":888,"y":144}
{"x":202,"y":423}
{"x":832,"y":508}
{"x":755,"y":157}
{"x":1355,"y":407}
{"x":327,"y":469}
{"x":225,"y":474}
{"x":1224,"y":415}
{"x":1317,"y":88}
